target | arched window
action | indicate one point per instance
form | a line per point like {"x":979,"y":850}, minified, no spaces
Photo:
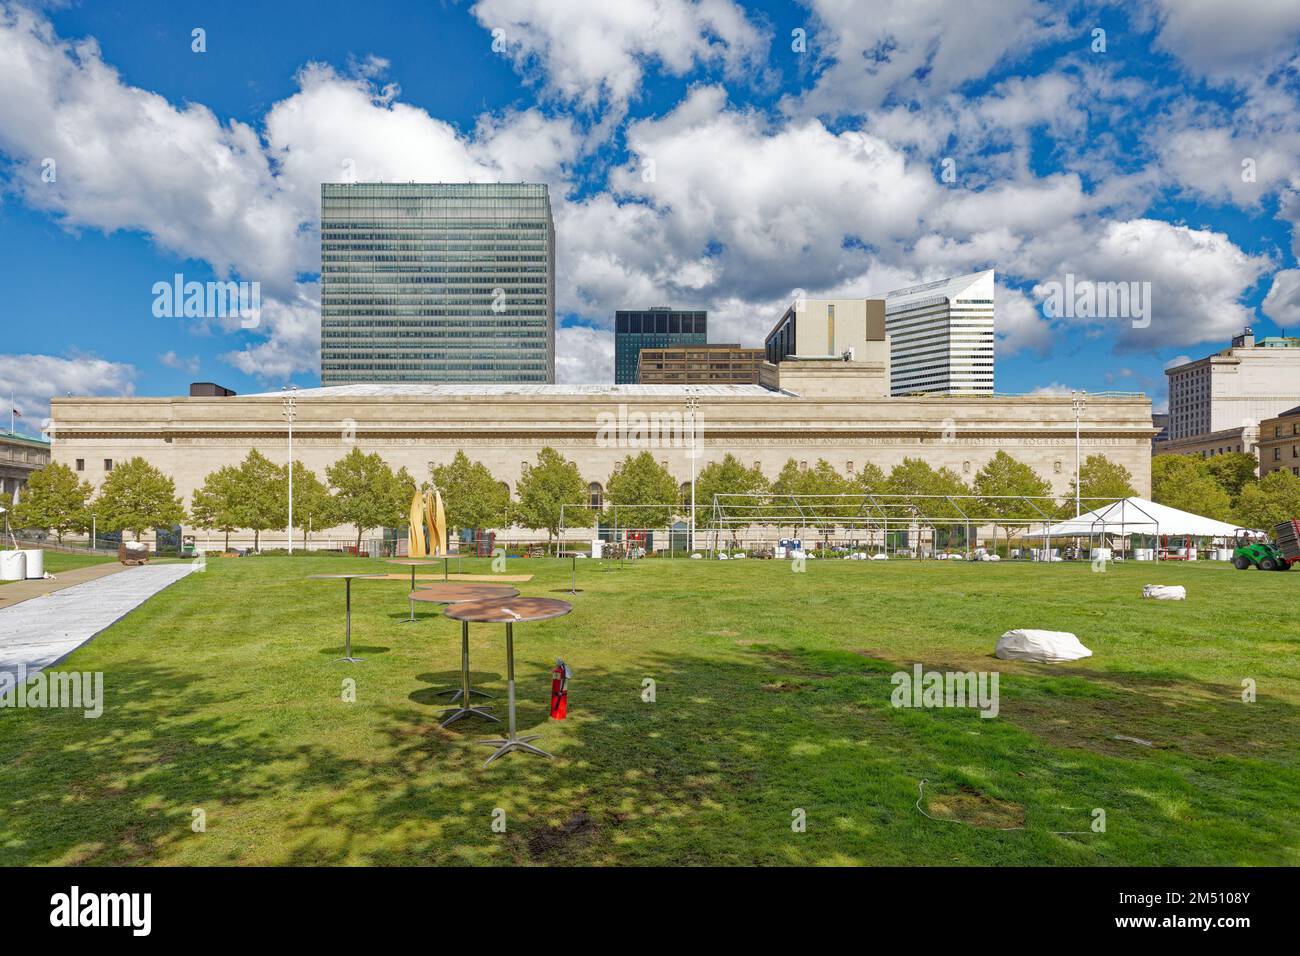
{"x":597,"y":495}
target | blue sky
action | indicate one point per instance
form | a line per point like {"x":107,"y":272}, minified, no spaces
{"x":701,"y":153}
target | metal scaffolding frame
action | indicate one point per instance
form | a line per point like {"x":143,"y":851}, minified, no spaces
{"x":880,"y":515}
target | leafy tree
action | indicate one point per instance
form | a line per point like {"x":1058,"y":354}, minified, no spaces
{"x":1266,"y":503}
{"x":262,"y":495}
{"x":870,"y":480}
{"x":1101,"y":478}
{"x":728,"y":477}
{"x":794,"y":488}
{"x":1185,"y":483}
{"x":54,"y":499}
{"x":547,"y":485}
{"x":137,"y":496}
{"x":642,"y":481}
{"x":216,"y":505}
{"x":1004,"y":476}
{"x":366,"y":492}
{"x":919,"y":484}
{"x":471,"y":495}
{"x":313,"y":505}
{"x":1233,"y":471}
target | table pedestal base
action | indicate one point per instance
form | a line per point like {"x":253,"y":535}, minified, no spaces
{"x":465,"y":692}
{"x":457,"y":694}
{"x":459,"y":712}
{"x":506,"y":744}
{"x":348,"y":660}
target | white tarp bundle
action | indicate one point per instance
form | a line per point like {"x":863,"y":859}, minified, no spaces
{"x":1138,"y":516}
{"x":1048,"y":647}
{"x":1165,"y":592}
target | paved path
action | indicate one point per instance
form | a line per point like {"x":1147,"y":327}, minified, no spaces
{"x":16,"y":591}
{"x":42,"y":631}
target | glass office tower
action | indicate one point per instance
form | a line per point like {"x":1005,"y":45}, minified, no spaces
{"x":652,"y":329}
{"x":437,"y":282}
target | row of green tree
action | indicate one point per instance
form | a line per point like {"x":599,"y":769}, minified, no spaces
{"x":361,"y":490}
{"x":1226,"y":487}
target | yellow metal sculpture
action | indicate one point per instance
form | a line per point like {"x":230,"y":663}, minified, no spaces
{"x":428,"y":536}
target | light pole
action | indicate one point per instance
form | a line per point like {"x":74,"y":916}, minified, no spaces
{"x":290,"y":408}
{"x":1076,"y":402}
{"x":692,"y":409}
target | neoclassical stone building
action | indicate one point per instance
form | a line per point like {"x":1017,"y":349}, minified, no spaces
{"x":804,"y":410}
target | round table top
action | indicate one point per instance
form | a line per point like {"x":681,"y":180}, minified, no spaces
{"x":508,"y":611}
{"x":351,"y":574}
{"x":413,"y":562}
{"x":454,"y":592}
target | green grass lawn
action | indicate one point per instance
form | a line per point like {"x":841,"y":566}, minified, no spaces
{"x":773,"y":695}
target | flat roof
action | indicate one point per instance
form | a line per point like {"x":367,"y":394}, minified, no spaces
{"x":457,"y":390}
{"x":29,"y":439}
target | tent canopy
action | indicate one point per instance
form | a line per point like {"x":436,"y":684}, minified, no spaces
{"x":1139,"y":516}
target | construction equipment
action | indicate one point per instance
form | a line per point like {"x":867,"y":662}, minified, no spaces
{"x":1252,"y":552}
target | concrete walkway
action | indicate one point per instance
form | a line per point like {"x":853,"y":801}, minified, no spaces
{"x":14,"y":592}
{"x":42,"y":631}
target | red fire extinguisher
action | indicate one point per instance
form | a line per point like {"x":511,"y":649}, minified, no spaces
{"x":560,"y":690}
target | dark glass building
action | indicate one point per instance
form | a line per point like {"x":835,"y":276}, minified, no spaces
{"x":437,"y":282}
{"x":654,"y":328}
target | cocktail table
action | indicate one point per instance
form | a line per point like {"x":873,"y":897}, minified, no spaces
{"x":412,"y":563}
{"x":454,"y":593}
{"x":573,"y":571}
{"x":347,"y":604}
{"x":509,"y":612}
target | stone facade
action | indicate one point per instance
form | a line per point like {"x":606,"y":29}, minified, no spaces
{"x":20,"y":455}
{"x":504,"y":426}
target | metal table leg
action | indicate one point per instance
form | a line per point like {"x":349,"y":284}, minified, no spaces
{"x":512,"y":741}
{"x":409,"y":602}
{"x":466,"y":708}
{"x":347,"y":633}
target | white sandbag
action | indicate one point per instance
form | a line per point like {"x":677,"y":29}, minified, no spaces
{"x":1049,"y":647}
{"x":1165,"y":592}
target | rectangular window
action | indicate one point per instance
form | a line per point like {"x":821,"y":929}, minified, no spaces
{"x":81,"y":464}
{"x":108,"y":464}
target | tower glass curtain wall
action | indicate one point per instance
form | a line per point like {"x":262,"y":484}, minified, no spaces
{"x":424,"y":282}
{"x":652,"y":329}
{"x":941,"y":336}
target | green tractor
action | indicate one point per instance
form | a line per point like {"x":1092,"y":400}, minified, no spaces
{"x":1251,"y":552}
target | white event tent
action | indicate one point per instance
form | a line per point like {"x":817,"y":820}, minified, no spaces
{"x":1131,"y":516}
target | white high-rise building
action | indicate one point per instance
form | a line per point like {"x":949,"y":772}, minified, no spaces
{"x":941,"y":336}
